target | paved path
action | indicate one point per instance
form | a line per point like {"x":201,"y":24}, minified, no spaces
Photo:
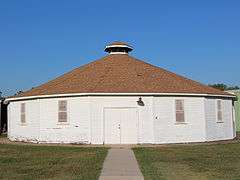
{"x":121,"y":164}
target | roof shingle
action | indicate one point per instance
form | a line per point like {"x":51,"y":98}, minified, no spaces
{"x":120,"y":73}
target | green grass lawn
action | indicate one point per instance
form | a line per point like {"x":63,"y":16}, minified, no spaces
{"x":198,"y":162}
{"x":50,"y":162}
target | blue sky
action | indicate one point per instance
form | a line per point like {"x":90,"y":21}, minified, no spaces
{"x":42,"y":39}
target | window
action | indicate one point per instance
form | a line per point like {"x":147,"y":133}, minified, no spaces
{"x":62,"y":111}
{"x":179,"y":104}
{"x":23,"y":113}
{"x":219,"y":111}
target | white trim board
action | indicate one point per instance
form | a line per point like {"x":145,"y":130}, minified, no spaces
{"x":116,"y":94}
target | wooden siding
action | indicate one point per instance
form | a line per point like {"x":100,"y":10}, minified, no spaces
{"x":156,"y":121}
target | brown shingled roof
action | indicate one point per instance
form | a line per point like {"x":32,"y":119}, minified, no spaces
{"x":119,"y":73}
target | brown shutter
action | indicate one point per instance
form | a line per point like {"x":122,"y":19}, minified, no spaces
{"x":23,"y":118}
{"x":62,"y":111}
{"x":220,"y":116}
{"x":22,"y":107}
{"x":179,"y":110}
{"x":23,"y":113}
{"x":62,"y":106}
{"x":219,"y":105}
{"x":62,"y":116}
{"x":219,"y":110}
{"x":180,"y":117}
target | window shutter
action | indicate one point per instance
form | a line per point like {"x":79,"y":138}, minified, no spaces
{"x":62,"y":111}
{"x":23,"y":113}
{"x":23,"y":118}
{"x":62,"y":116}
{"x":180,"y":110}
{"x":62,"y":105}
{"x":179,"y":105}
{"x":219,"y":105}
{"x":22,"y":107}
{"x":219,"y":116}
{"x":219,"y":111}
{"x":180,"y":117}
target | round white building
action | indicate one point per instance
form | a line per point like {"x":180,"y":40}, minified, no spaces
{"x":121,"y":100}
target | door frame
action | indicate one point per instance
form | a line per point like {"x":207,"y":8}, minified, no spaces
{"x":137,"y":116}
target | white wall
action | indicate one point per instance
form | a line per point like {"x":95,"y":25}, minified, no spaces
{"x":145,"y":116}
{"x":85,"y":119}
{"x":42,"y":121}
{"x":76,"y":130}
{"x":28,"y":131}
{"x":214,"y":129}
{"x":156,"y":120}
{"x":166,"y":130}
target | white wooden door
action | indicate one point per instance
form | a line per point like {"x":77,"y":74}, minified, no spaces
{"x":129,"y":126}
{"x":112,"y":126}
{"x":121,"y":126}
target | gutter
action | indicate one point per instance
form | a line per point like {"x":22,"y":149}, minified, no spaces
{"x":7,"y":100}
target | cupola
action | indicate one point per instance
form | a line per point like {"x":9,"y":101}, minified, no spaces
{"x":118,"y":48}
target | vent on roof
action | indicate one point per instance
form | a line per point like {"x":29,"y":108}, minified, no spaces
{"x":118,"y":48}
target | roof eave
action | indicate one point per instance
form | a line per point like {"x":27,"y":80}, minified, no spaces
{"x":118,"y":94}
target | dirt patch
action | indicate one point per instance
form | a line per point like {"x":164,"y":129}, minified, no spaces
{"x":5,"y":140}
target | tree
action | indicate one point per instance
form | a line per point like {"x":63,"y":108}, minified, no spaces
{"x":233,"y":87}
{"x":223,"y":87}
{"x":18,"y":92}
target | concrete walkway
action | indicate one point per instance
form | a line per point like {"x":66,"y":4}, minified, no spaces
{"x":121,"y":164}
